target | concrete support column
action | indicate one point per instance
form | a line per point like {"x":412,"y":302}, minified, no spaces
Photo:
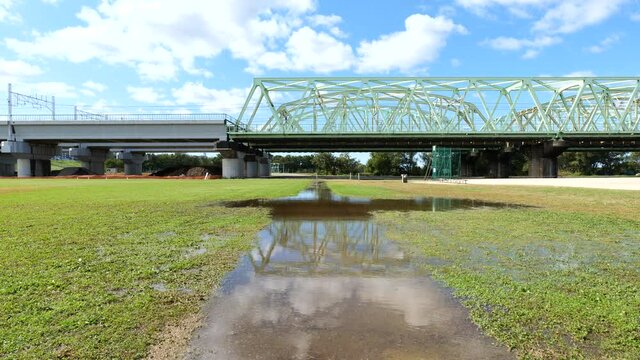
{"x":24,"y":168}
{"x":499,"y":163}
{"x":7,"y":165}
{"x":264,"y":166}
{"x":468,"y":164}
{"x":91,"y":159}
{"x":233,"y":164}
{"x":32,"y":159}
{"x":41,"y":167}
{"x":132,"y":162}
{"x":251,"y":166}
{"x":544,"y":158}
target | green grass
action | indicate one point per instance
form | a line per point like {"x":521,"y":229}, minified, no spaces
{"x":98,"y":268}
{"x":61,"y":164}
{"x":558,"y":280}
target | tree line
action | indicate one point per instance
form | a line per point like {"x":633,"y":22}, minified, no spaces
{"x":412,"y":163}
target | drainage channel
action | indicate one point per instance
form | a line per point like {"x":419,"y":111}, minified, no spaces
{"x":323,"y":282}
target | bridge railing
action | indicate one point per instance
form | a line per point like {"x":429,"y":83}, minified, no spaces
{"x":120,"y":117}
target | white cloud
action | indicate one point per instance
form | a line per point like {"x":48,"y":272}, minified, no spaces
{"x":420,"y":43}
{"x":90,"y":88}
{"x":7,"y":13}
{"x":605,"y":44}
{"x":635,"y":17}
{"x":532,"y":47}
{"x":550,"y":17}
{"x":147,"y":95}
{"x":581,"y":73}
{"x":456,"y":63}
{"x":519,"y":8}
{"x":328,"y":21}
{"x":572,"y":15}
{"x":530,"y":54}
{"x":558,"y":16}
{"x":510,"y":43}
{"x":318,"y":52}
{"x":161,"y":38}
{"x":308,"y":49}
{"x":94,"y":86}
{"x":58,"y":89}
{"x":17,"y":71}
{"x":210,"y":100}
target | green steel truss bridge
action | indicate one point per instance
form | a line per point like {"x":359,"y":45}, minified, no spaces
{"x":388,"y":113}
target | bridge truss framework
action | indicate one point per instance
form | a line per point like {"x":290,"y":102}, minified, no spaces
{"x":373,"y":113}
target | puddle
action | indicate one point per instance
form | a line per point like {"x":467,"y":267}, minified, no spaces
{"x":319,"y":202}
{"x":161,"y":287}
{"x":323,"y":282}
{"x":201,"y":250}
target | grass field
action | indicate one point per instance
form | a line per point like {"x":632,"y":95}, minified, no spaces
{"x":61,"y":164}
{"x":557,"y":279}
{"x":101,"y":268}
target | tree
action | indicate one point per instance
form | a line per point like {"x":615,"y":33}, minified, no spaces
{"x":163,"y":161}
{"x":596,"y":163}
{"x":393,"y":163}
{"x":345,"y":164}
{"x":295,"y":163}
{"x":324,"y":163}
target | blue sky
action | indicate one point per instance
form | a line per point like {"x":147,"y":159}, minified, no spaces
{"x":193,"y":55}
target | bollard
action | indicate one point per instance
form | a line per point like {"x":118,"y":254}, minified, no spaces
{"x":404,"y":178}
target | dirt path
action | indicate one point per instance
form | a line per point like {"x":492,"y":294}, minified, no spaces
{"x":614,"y":183}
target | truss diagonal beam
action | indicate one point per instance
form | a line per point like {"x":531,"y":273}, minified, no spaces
{"x":472,"y":106}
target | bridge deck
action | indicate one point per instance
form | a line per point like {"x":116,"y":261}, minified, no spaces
{"x":165,"y":132}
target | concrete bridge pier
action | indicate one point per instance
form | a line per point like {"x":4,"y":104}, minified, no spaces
{"x":32,"y":159}
{"x":7,"y":165}
{"x":132,"y":162}
{"x":499,"y":162}
{"x":468,"y":164}
{"x":264,"y":166}
{"x":91,"y":159}
{"x":233,"y":164}
{"x":544,"y":158}
{"x":251,"y":165}
{"x":42,"y":167}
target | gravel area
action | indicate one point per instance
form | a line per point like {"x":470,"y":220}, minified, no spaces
{"x":615,"y":183}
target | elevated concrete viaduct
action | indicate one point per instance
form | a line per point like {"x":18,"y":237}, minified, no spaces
{"x":495,"y":117}
{"x":29,"y":144}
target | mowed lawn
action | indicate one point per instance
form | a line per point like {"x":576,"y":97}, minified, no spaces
{"x":102,"y":268}
{"x":557,"y":279}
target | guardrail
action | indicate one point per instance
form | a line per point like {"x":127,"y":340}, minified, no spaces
{"x":122,"y":117}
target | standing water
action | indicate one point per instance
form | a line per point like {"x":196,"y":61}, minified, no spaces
{"x":323,"y":282}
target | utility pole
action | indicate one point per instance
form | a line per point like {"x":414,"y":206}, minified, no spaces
{"x":10,"y":135}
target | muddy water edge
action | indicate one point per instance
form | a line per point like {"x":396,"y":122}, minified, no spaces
{"x":323,"y":282}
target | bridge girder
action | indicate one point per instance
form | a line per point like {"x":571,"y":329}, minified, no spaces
{"x":503,"y":108}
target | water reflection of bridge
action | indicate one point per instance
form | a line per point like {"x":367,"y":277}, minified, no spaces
{"x":325,"y":247}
